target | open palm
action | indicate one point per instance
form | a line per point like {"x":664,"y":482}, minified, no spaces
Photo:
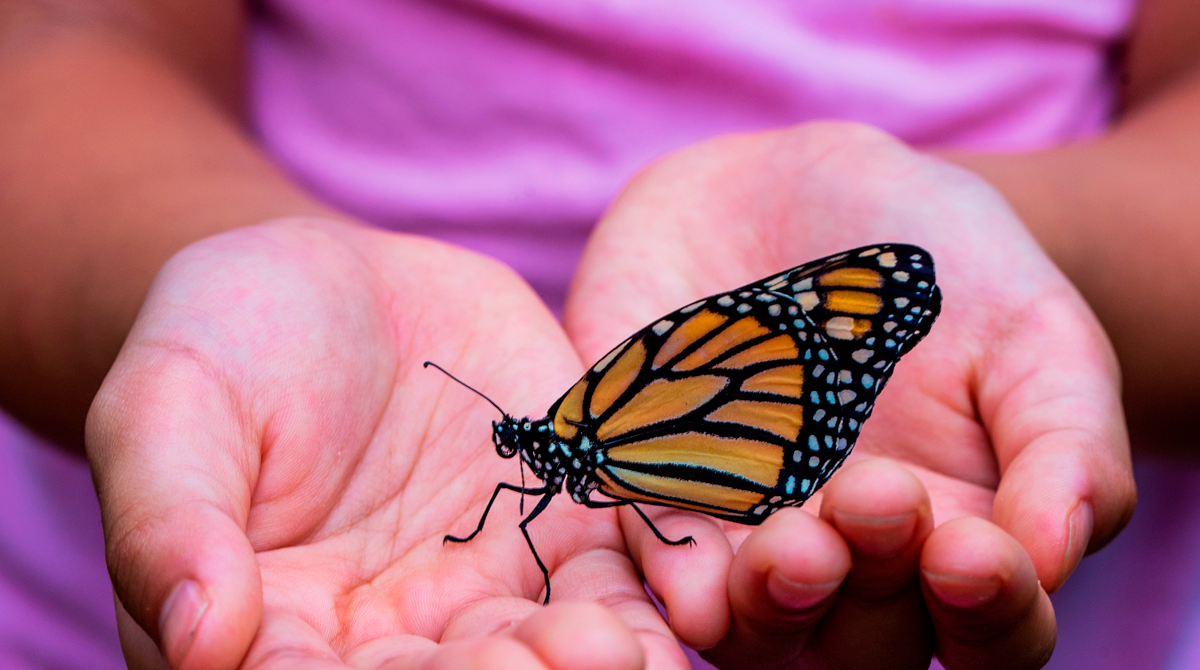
{"x":1008,"y":412}
{"x":277,"y":470}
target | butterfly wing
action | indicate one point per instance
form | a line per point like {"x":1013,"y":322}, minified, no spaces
{"x":748,"y":401}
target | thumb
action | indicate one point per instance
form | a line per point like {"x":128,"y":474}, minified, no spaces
{"x":174,"y":472}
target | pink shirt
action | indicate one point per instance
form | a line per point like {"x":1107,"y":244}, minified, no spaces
{"x":507,"y":125}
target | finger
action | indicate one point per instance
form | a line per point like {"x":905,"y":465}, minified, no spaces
{"x":140,"y":651}
{"x":173,"y":496}
{"x":783,"y":579}
{"x":883,"y":513}
{"x":286,"y":641}
{"x":487,"y":653}
{"x":1060,"y":436}
{"x":983,"y":595}
{"x":609,"y":578}
{"x":390,"y":651}
{"x":580,"y":635}
{"x":689,"y":580}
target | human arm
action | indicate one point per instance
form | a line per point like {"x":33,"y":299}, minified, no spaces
{"x":218,"y":444}
{"x":120,"y":145}
{"x":1120,"y":214}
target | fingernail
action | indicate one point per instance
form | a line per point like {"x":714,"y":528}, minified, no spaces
{"x":796,"y":596}
{"x":1079,"y":534}
{"x":875,"y":535}
{"x":963,"y":592}
{"x":180,"y":618}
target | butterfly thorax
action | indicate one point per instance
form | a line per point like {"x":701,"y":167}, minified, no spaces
{"x":550,"y":459}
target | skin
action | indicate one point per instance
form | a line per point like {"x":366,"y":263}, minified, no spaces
{"x":88,"y":228}
{"x":303,"y":484}
{"x":1008,"y":411}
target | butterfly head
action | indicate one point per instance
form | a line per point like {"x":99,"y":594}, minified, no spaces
{"x":508,"y":435}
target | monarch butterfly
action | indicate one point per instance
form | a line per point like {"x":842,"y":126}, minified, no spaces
{"x":735,"y":405}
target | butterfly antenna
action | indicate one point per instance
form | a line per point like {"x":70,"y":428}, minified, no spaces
{"x":429,"y":363}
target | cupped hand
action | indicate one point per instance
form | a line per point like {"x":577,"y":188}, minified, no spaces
{"x":277,"y":471}
{"x":1008,"y":412}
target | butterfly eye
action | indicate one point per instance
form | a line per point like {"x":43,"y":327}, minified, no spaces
{"x":507,"y":448}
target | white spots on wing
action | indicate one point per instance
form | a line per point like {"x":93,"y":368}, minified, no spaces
{"x":917,"y":266}
{"x":793,"y":310}
{"x":901,"y":302}
{"x":845,"y":377}
{"x":889,"y":326}
{"x":725,"y":301}
{"x":774,"y":310}
{"x":802,"y":285}
{"x":745,"y":294}
{"x":840,"y":328}
{"x":662,"y":326}
{"x":804,"y":485}
{"x":820,"y":414}
{"x":743,"y":308}
{"x":887,"y":260}
{"x":868,"y":381}
{"x":863,"y":355}
{"x":796,"y":455}
{"x":915,"y":257}
{"x":760,"y":509}
{"x":791,"y":485}
{"x":829,"y":379}
{"x":813,"y":461}
{"x":922,"y":284}
{"x":841,"y":444}
{"x":694,"y":306}
{"x":846,"y":397}
{"x":819,"y":370}
{"x":776,"y":283}
{"x":765,"y":297}
{"x":900,"y":275}
{"x":869,"y":252}
{"x":808,"y":300}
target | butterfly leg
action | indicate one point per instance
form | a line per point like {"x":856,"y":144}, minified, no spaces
{"x":502,"y":486}
{"x":674,"y":543}
{"x":525,"y":522}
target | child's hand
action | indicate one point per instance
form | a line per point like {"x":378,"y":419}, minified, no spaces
{"x":1008,"y":413}
{"x":268,"y":450}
